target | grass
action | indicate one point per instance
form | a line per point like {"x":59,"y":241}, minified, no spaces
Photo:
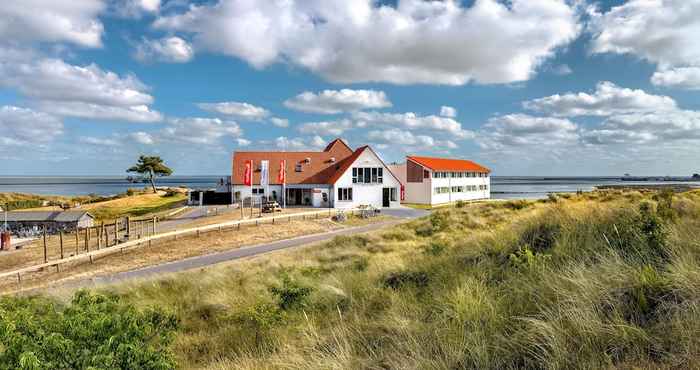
{"x":132,"y":203}
{"x":598,"y":280}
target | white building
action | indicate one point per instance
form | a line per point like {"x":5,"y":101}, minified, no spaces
{"x":336,"y":177}
{"x":434,"y":181}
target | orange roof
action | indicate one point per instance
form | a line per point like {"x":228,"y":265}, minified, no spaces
{"x":321,"y":168}
{"x":448,"y":164}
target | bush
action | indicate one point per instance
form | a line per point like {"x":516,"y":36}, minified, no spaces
{"x":540,"y":235}
{"x":438,"y":222}
{"x":641,"y":303}
{"x":460,"y":204}
{"x":516,"y":204}
{"x":171,"y":193}
{"x":435,"y":248}
{"x":400,"y":279}
{"x":93,"y":331}
{"x":525,"y":259}
{"x":290,"y":294}
{"x":260,"y":318}
{"x":347,"y":242}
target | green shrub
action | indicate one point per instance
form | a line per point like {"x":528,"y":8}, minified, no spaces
{"x":400,"y":279}
{"x":525,"y":259}
{"x":260,"y":319}
{"x":641,"y":303}
{"x":93,"y":331}
{"x":460,"y":204}
{"x":24,"y":204}
{"x":438,"y":221}
{"x":290,"y":294}
{"x":516,"y":204}
{"x":435,"y":248}
{"x":540,"y":234}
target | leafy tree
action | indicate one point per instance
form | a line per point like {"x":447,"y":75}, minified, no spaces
{"x":150,"y":168}
{"x":696,"y":175}
{"x":93,"y":332}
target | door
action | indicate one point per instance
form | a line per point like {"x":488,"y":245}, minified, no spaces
{"x":386,"y":196}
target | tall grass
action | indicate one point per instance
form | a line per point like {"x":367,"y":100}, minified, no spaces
{"x":605,"y":280}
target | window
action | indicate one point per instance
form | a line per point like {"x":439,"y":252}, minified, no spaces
{"x":393,"y":194}
{"x":426,"y":174}
{"x":297,"y":168}
{"x":344,"y":194}
{"x":258,"y":191}
{"x":367,"y":175}
{"x":455,"y":189}
{"x":442,"y":190}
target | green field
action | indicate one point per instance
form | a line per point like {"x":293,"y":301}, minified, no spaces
{"x":598,"y":280}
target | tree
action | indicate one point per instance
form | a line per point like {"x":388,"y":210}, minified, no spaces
{"x":150,"y":168}
{"x":696,"y":175}
{"x":93,"y":331}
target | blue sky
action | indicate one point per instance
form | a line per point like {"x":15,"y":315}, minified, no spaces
{"x":526,"y":87}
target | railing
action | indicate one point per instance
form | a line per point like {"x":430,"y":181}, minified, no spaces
{"x":171,"y":234}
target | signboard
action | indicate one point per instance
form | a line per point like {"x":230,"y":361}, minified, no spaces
{"x":282,"y":175}
{"x":248,"y":178}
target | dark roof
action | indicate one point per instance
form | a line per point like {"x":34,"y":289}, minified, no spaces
{"x":46,"y":216}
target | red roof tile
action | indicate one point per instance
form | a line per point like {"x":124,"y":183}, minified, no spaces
{"x":319,"y":170}
{"x":448,"y":164}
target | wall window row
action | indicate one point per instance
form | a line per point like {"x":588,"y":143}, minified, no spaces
{"x":444,"y":175}
{"x":367,"y":175}
{"x":460,"y":189}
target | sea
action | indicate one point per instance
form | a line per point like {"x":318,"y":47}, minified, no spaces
{"x":502,"y":187}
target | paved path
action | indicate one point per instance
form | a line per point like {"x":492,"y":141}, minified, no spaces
{"x":403,"y":214}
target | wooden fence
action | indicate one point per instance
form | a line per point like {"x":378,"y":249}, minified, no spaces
{"x":148,"y":239}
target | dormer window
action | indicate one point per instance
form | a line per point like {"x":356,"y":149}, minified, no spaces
{"x":307,"y":160}
{"x":298,"y":167}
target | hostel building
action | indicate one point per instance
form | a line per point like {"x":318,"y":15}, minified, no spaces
{"x":337,"y":177}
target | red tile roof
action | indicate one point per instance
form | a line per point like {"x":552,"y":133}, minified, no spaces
{"x":448,"y":164}
{"x":319,"y":170}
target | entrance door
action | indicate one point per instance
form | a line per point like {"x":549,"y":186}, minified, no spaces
{"x":386,"y":196}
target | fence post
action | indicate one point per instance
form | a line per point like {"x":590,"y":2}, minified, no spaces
{"x":155,"y":219}
{"x":45,"y":256}
{"x":128,"y":227}
{"x":60,"y":240}
{"x":87,"y":240}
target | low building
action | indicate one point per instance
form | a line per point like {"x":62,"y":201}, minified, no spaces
{"x":33,"y":222}
{"x":432,"y":181}
{"x":337,"y":177}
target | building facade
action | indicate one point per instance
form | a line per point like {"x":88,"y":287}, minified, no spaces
{"x":432,"y":181}
{"x":337,"y":177}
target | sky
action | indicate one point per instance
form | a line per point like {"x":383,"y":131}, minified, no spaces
{"x":525,"y":87}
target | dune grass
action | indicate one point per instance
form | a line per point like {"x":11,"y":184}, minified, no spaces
{"x":598,"y":280}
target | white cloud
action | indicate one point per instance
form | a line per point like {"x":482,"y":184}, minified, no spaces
{"x":562,"y":70}
{"x":236,"y":109}
{"x":279,"y":122}
{"x":516,"y":130}
{"x":435,"y":42}
{"x":243,"y":142}
{"x":168,"y":49}
{"x":73,"y":22}
{"x":662,"y":32}
{"x":682,"y":77}
{"x":80,"y":91}
{"x":447,"y":111}
{"x":607,"y":99}
{"x":400,"y":137}
{"x":134,"y":8}
{"x":96,"y":141}
{"x":286,"y":143}
{"x":136,"y":113}
{"x":21,"y":126}
{"x":338,"y":101}
{"x":142,"y":138}
{"x":332,"y":128}
{"x":205,"y":131}
{"x":412,"y":121}
{"x":662,"y":127}
{"x":318,"y":142}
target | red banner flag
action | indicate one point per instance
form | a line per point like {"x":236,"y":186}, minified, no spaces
{"x":248,"y":178}
{"x":282,"y":176}
{"x":403,"y":193}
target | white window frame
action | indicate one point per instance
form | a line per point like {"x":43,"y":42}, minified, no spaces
{"x":344,"y":194}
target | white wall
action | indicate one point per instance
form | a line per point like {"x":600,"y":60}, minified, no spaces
{"x":366,"y":194}
{"x":459,"y":181}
